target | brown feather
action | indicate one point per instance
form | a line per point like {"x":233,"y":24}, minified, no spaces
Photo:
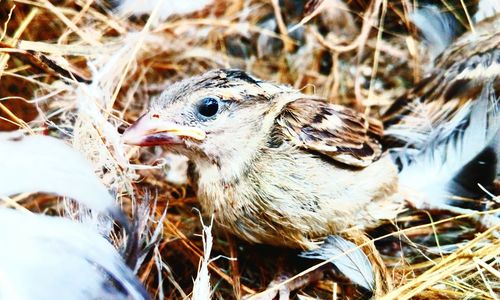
{"x":336,"y":131}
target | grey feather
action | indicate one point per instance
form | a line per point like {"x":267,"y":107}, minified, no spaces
{"x":349,"y":260}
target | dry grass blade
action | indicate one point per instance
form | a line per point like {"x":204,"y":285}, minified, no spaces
{"x":458,"y":262}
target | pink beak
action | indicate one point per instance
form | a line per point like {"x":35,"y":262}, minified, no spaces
{"x":151,"y":131}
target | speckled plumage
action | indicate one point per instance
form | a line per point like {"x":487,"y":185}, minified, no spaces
{"x":280,"y":167}
{"x":458,"y":75}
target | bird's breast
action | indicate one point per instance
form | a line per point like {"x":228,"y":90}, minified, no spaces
{"x":292,"y":198}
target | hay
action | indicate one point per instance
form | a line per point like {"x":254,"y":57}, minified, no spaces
{"x":78,"y":71}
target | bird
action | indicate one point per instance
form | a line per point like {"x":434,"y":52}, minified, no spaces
{"x":273,"y":165}
{"x":276,"y":166}
{"x":447,"y":126}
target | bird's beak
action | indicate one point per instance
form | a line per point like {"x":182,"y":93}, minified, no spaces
{"x":150,"y":131}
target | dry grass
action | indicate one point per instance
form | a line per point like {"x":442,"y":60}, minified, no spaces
{"x":76,"y":70}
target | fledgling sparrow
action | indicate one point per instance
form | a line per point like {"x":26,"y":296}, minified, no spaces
{"x":273,"y":165}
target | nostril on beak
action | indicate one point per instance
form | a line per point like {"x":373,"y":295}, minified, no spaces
{"x":155,"y":116}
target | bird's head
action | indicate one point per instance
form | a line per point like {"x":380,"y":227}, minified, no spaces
{"x":220,"y":117}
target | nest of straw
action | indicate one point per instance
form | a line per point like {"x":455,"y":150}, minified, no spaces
{"x":78,"y":70}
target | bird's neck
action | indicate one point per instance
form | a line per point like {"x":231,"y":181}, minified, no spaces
{"x":220,"y":172}
{"x":215,"y":182}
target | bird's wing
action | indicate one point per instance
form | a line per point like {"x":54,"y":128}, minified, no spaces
{"x":333,"y":130}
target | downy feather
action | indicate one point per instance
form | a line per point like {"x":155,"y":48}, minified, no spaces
{"x":349,"y":259}
{"x":438,"y":28}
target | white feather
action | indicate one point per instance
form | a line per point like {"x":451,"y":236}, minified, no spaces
{"x":486,"y":9}
{"x":45,"y":164}
{"x":44,"y":257}
{"x":349,"y":259}
{"x":438,"y":29}
{"x":165,"y":9}
{"x":429,"y":170}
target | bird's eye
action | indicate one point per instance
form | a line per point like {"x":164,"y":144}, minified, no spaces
{"x":208,"y":107}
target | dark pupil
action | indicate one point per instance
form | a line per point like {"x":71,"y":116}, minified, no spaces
{"x":208,"y":107}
